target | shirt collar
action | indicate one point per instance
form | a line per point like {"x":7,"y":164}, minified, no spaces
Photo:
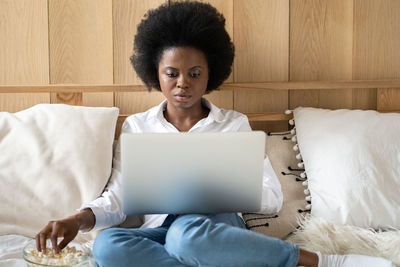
{"x":214,"y":115}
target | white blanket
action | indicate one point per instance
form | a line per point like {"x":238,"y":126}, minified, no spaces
{"x":11,"y":247}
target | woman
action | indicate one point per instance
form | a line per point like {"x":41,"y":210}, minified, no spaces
{"x":183,"y":50}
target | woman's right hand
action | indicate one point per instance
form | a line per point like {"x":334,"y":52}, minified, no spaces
{"x":67,"y":228}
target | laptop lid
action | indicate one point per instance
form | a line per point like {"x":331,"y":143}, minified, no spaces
{"x":192,"y":172}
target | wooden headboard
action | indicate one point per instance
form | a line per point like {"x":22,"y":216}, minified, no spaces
{"x":288,"y":53}
{"x":380,"y":95}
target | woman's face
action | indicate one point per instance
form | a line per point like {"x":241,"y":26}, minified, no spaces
{"x":183,"y":76}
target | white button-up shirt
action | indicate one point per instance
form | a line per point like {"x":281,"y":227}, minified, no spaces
{"x":108,"y":207}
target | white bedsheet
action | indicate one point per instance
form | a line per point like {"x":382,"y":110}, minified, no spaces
{"x":11,"y":247}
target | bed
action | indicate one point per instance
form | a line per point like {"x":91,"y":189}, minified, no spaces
{"x":70,"y":148}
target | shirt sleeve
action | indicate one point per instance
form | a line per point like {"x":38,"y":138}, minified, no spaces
{"x":108,"y":207}
{"x":272,"y":197}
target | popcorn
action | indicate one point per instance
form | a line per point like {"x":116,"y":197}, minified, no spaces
{"x":67,"y":257}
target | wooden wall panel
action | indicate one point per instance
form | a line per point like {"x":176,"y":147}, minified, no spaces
{"x":98,"y":100}
{"x":261,"y":32}
{"x":376,"y":46}
{"x":222,"y":99}
{"x":388,"y":99}
{"x":126,"y":16}
{"x":364,"y":98}
{"x":81,"y":46}
{"x":358,"y":98}
{"x":67,"y":98}
{"x":321,"y":40}
{"x":254,"y":101}
{"x":376,"y":39}
{"x":257,"y":101}
{"x":321,"y":44}
{"x":129,"y":103}
{"x":331,"y":99}
{"x":90,"y":42}
{"x":261,"y":35}
{"x":226,"y":8}
{"x":11,"y":102}
{"x":24,"y":51}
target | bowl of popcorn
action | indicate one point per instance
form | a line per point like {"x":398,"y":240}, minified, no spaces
{"x":72,"y":255}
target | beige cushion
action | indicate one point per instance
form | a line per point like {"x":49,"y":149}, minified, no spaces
{"x":281,"y":155}
{"x":53,"y":158}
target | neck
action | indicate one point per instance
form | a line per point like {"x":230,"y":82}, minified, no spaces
{"x":185,"y":119}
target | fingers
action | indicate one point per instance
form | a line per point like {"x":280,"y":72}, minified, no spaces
{"x":67,"y":228}
{"x":42,"y":237}
{"x":54,"y":235}
{"x":38,"y":247}
{"x":64,"y":242}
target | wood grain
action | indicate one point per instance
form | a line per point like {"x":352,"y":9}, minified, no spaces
{"x":321,"y":43}
{"x":98,"y":99}
{"x":313,"y":85}
{"x":254,"y":101}
{"x":66,"y":98}
{"x":376,"y":46}
{"x":24,"y":51}
{"x":261,"y":34}
{"x":222,"y":99}
{"x":376,"y":39}
{"x":330,"y":99}
{"x":17,"y":102}
{"x":80,"y":44}
{"x":138,"y":101}
{"x":364,"y":98}
{"x":126,"y":16}
{"x":83,"y":48}
{"x":71,"y":88}
{"x":321,"y":40}
{"x":266,"y":101}
{"x":388,"y":99}
{"x":276,"y":86}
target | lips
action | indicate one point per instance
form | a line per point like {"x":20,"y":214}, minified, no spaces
{"x":182,"y":97}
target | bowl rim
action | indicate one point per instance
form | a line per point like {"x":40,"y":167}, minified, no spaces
{"x":84,"y":258}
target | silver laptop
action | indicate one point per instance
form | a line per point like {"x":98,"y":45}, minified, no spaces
{"x":180,"y":173}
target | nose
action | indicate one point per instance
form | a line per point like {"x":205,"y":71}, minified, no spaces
{"x":182,"y":82}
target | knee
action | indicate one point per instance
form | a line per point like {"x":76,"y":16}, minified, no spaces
{"x":186,"y":238}
{"x":107,"y":246}
{"x":103,"y":246}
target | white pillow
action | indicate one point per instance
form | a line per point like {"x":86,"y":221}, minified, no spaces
{"x":352,"y":161}
{"x":53,"y":157}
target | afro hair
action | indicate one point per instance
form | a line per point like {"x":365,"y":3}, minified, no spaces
{"x":183,"y":24}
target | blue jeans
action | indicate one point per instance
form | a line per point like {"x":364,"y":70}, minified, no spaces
{"x":193,"y":240}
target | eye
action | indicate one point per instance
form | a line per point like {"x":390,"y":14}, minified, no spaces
{"x":172,"y":74}
{"x":195,"y":74}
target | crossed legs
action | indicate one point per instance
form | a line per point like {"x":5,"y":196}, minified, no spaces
{"x":193,"y":240}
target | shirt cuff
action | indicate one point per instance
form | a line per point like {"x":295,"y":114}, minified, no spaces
{"x":99,"y":215}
